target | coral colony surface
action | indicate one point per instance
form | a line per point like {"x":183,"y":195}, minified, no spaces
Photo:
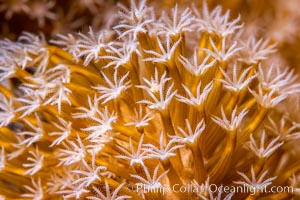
{"x":181,"y":103}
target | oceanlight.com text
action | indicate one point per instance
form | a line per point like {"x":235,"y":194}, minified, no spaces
{"x":212,"y":188}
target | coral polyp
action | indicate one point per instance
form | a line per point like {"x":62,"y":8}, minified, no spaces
{"x":156,"y":107}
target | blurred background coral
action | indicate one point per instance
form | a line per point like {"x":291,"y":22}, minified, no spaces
{"x":277,"y":19}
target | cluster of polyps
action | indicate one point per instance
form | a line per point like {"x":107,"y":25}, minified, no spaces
{"x":155,"y":101}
